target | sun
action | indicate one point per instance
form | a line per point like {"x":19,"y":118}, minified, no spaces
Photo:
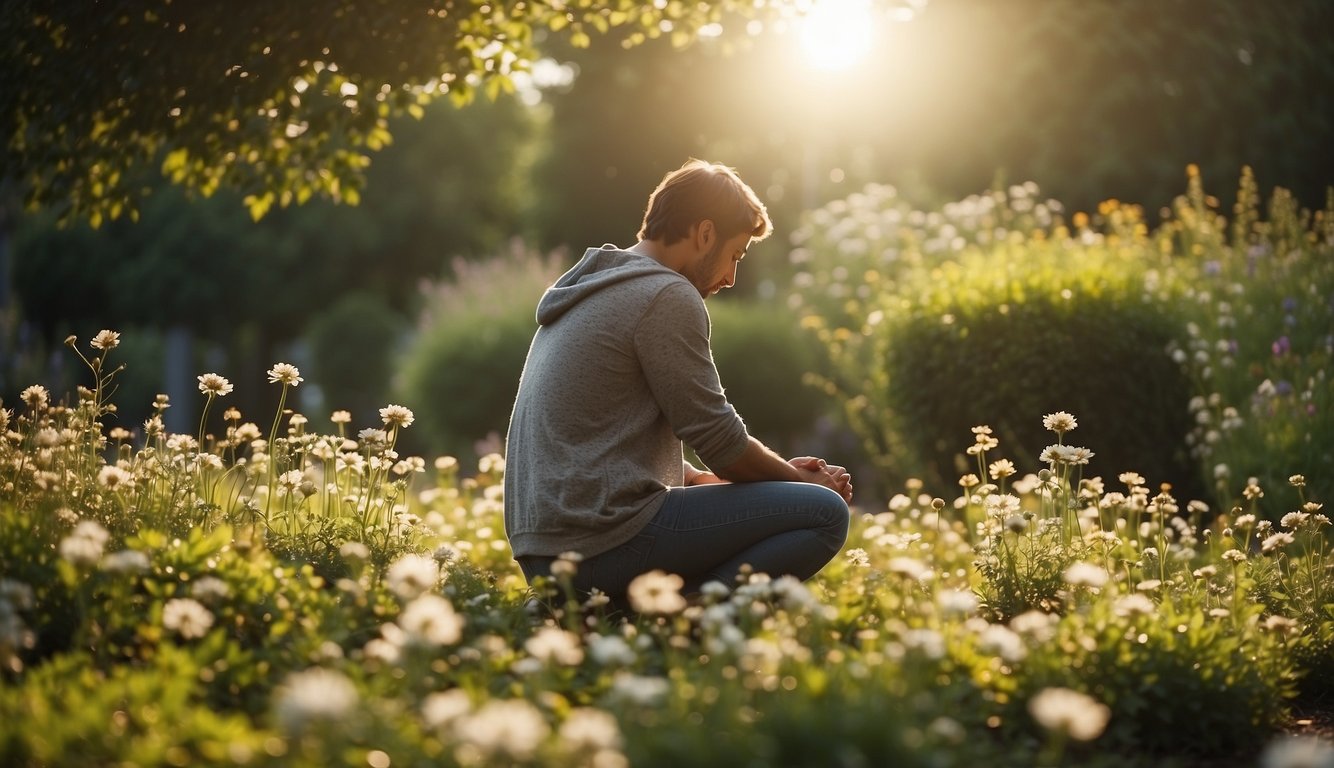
{"x":836,"y":34}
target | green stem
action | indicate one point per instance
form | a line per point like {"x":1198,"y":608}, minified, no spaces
{"x":273,"y":457}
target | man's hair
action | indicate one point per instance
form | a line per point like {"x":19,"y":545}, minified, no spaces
{"x":700,"y":190}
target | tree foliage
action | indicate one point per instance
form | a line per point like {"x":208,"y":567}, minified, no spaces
{"x":280,"y":101}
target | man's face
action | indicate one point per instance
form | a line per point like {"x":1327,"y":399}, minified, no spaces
{"x":716,"y":269}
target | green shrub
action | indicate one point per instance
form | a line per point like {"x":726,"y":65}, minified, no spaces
{"x":762,"y":357}
{"x":461,"y":372}
{"x":996,"y":305}
{"x":352,"y":346}
{"x":1171,"y":679}
{"x":992,"y":311}
{"x":71,"y":711}
{"x":1005,"y":337}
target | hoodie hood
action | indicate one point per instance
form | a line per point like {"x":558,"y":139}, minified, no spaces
{"x":598,"y":269}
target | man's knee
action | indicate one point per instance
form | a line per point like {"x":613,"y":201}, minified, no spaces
{"x":832,"y":515}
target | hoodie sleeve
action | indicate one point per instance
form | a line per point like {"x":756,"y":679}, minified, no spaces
{"x":672,"y":343}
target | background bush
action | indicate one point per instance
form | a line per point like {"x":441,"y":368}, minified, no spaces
{"x":353,"y":346}
{"x":762,"y":356}
{"x":1008,"y":336}
{"x":460,"y":372}
{"x":995,"y":309}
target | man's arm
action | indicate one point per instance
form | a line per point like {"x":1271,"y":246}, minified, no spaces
{"x":758,"y":463}
{"x":696,"y":476}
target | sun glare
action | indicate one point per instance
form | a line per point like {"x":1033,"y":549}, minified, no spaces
{"x":836,"y":34}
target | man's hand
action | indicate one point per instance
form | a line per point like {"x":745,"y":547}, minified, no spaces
{"x":758,"y":463}
{"x":816,"y":470}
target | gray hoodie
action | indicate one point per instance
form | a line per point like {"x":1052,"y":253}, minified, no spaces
{"x":618,"y":375}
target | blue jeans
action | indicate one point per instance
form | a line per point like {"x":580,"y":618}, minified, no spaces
{"x":708,"y":532}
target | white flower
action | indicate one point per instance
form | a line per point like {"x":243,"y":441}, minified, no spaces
{"x":1078,"y":715}
{"x":84,"y":546}
{"x":1039,"y":625}
{"x":907,"y":567}
{"x":592,"y":730}
{"x":112,"y":477}
{"x":1134,"y":605}
{"x":382,"y":650}
{"x":928,"y":641}
{"x":396,"y":416}
{"x":956,"y":602}
{"x":1059,"y":422}
{"x":638,"y":689}
{"x":512,"y":728}
{"x":1234,"y":556}
{"x":1085,"y":575}
{"x":1001,"y":505}
{"x":491,"y":463}
{"x":657,"y":592}
{"x":441,"y":709}
{"x":373,"y":437}
{"x":314,"y":696}
{"x":1298,"y":752}
{"x":187,"y":618}
{"x":431,"y":620}
{"x":1275,"y":541}
{"x":286,"y":374}
{"x":554,"y":645}
{"x":355,"y":551}
{"x":610,"y":651}
{"x":289,"y":481}
{"x":445,"y":553}
{"x":856,"y":558}
{"x":125,"y":561}
{"x":106,"y":340}
{"x":210,"y":589}
{"x":214,"y":385}
{"x":1294,"y":519}
{"x":1065,"y":454}
{"x":36,"y":397}
{"x":1003,"y":642}
{"x":411,"y":575}
{"x":792,"y":594}
{"x":715,"y":590}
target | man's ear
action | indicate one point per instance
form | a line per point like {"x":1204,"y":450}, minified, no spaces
{"x":705,"y":234}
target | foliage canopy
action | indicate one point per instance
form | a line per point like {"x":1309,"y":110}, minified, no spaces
{"x":219,"y":93}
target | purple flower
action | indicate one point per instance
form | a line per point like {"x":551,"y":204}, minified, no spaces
{"x":1289,"y":304}
{"x":1213,"y":267}
{"x":1283,"y":387}
{"x":1281,"y":347}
